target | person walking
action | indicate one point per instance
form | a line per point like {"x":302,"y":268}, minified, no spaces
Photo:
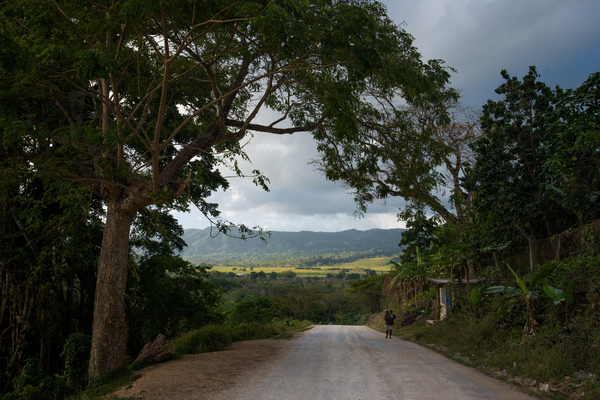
{"x":393,"y":314}
{"x":389,"y":323}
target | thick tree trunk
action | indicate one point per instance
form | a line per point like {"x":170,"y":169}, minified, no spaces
{"x":109,"y":335}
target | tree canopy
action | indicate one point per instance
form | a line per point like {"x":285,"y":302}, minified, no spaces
{"x":525,"y":151}
{"x":136,"y":103}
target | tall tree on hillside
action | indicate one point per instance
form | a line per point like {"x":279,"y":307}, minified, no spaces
{"x":573,"y":152}
{"x":137,"y":102}
{"x":509,"y":177}
{"x":415,"y":152}
{"x":420,"y":234}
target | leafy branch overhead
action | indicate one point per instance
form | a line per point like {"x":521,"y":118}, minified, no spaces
{"x":139,"y":103}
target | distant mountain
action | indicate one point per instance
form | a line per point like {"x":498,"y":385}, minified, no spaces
{"x":200,"y":243}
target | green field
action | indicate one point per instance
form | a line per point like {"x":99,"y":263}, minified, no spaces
{"x":380,"y":264}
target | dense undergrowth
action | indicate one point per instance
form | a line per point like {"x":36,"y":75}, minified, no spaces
{"x":558,"y":356}
{"x":218,"y":337}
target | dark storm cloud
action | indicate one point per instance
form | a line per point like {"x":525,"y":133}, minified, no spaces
{"x":477,"y":37}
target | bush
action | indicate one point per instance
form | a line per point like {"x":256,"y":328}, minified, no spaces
{"x":76,"y":352}
{"x":218,"y":337}
{"x":36,"y":384}
{"x":214,"y":338}
{"x":351,"y":318}
{"x":254,"y":309}
{"x":253,"y":331}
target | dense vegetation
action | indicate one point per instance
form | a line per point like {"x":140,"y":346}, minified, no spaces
{"x":117,"y":107}
{"x":530,"y":230}
{"x":337,"y":298}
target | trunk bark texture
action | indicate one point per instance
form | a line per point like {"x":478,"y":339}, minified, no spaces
{"x":533,"y":259}
{"x":110,"y":325}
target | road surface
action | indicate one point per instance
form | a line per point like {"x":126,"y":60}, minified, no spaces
{"x":355,"y":362}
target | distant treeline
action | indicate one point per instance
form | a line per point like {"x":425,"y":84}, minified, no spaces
{"x":286,"y":259}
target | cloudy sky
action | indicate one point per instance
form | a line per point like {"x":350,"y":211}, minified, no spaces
{"x":478,"y":38}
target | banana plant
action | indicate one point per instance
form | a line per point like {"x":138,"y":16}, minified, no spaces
{"x":558,"y":296}
{"x":527,"y":293}
{"x":475,"y":298}
{"x":410,"y":276}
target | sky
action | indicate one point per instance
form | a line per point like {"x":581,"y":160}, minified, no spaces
{"x":478,"y":38}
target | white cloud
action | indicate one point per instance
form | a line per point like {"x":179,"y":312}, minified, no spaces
{"x":478,"y":38}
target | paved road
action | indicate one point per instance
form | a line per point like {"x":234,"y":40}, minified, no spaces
{"x":351,"y":362}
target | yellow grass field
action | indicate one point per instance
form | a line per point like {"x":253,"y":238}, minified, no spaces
{"x":381,"y":265}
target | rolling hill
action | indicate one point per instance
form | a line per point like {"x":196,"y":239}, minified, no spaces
{"x":305,"y":243}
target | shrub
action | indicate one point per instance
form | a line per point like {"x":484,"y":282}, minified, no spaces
{"x":36,"y":384}
{"x":76,"y":353}
{"x":214,"y":338}
{"x":218,"y":337}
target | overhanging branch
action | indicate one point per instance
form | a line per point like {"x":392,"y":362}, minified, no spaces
{"x":271,"y":129}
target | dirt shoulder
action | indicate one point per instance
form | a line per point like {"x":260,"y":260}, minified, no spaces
{"x":200,"y":376}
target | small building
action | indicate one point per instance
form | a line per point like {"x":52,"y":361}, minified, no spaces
{"x":444,"y":289}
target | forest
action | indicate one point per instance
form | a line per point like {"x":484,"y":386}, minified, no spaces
{"x":104,"y":134}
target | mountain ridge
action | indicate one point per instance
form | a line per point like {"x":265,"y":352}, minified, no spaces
{"x":384,"y":241}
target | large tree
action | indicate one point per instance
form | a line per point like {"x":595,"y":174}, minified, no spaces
{"x":138,"y":101}
{"x":510,"y":174}
{"x":573,"y":156}
{"x":416,"y":152}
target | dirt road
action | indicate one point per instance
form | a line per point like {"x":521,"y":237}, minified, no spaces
{"x":326,"y":362}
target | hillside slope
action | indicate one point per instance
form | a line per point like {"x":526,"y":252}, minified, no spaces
{"x":384,"y":241}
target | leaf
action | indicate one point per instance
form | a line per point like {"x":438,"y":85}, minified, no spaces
{"x":544,"y":272}
{"x":569,"y":293}
{"x":555,"y":294}
{"x":522,"y":285}
{"x":494,"y":289}
{"x":475,"y":296}
{"x":500,"y":289}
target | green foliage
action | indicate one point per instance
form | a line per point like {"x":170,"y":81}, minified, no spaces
{"x":217,"y":337}
{"x":168,"y":295}
{"x":297,"y":302}
{"x":411,"y":276}
{"x":369,"y":292}
{"x":36,"y":384}
{"x":510,"y":201}
{"x":351,"y":318}
{"x":104,"y":111}
{"x":76,"y":353}
{"x":419,"y":235}
{"x":255,"y":330}
{"x":548,"y":357}
{"x":254,"y":309}
{"x":558,"y":295}
{"x":573,"y":156}
{"x":49,"y":241}
{"x":561,"y":347}
{"x":526,"y":293}
{"x":475,"y":297}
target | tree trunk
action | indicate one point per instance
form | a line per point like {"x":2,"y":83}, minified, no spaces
{"x":109,"y":331}
{"x":533,"y":260}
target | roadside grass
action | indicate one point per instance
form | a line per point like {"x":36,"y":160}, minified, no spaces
{"x":207,"y":339}
{"x":104,"y":387}
{"x":218,"y":337}
{"x":500,"y":351}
